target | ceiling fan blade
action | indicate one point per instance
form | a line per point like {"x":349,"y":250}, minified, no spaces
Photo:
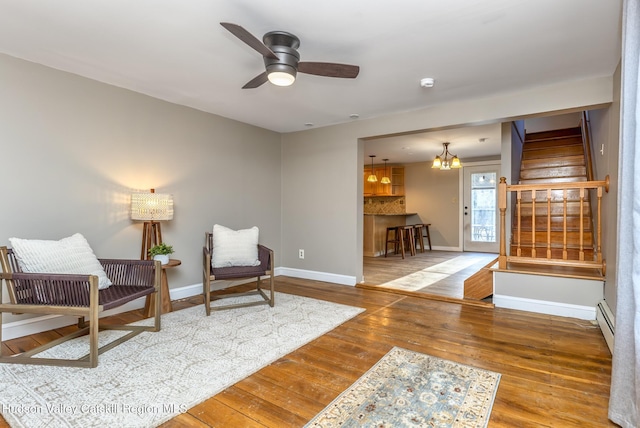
{"x":256,"y":81}
{"x":329,"y":69}
{"x":249,"y":39}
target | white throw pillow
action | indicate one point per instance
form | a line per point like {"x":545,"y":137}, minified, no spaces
{"x":68,"y":255}
{"x":234,"y":247}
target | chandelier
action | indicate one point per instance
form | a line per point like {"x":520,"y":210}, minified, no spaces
{"x":446,"y":160}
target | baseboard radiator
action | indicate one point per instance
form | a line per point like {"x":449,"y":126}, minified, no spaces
{"x":607,"y":323}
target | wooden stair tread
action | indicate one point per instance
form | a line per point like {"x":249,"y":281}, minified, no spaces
{"x":553,"y":172}
{"x":557,"y":271}
{"x":552,"y":143}
{"x":557,"y":223}
{"x":556,"y":253}
{"x":552,"y":162}
{"x":557,"y":196}
{"x":556,"y":133}
{"x":574,"y":179}
{"x":557,"y":239}
{"x":551,"y":153}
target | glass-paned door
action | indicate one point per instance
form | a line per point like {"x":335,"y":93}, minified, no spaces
{"x":481,"y":208}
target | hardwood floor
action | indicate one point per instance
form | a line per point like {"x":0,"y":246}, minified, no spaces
{"x":555,"y":371}
{"x":434,"y":273}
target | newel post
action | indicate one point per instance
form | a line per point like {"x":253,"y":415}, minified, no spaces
{"x":502,"y":206}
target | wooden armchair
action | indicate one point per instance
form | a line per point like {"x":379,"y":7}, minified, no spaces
{"x":235,"y":273}
{"x":79,"y":296}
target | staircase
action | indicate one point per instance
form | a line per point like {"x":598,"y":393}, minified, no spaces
{"x":552,"y":157}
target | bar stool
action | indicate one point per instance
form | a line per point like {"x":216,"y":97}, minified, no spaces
{"x":419,"y":237}
{"x":409,"y":238}
{"x":398,"y":240}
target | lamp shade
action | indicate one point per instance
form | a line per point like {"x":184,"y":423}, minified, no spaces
{"x":437,"y":162}
{"x":151,"y":206}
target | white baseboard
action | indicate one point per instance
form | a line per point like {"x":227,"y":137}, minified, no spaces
{"x":607,"y":323}
{"x":438,"y":248}
{"x":545,"y":307}
{"x":318,"y":276}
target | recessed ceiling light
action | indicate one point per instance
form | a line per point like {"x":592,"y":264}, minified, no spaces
{"x":308,"y":124}
{"x":354,"y":116}
{"x":427,"y":82}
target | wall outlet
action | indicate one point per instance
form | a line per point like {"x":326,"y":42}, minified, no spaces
{"x":301,"y":254}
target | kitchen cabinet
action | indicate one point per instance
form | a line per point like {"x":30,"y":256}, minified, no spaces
{"x":395,"y":173}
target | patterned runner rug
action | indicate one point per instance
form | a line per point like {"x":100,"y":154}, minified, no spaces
{"x":410,"y":389}
{"x":155,"y":376}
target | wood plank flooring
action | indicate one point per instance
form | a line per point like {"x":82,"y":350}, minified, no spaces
{"x":555,"y":371}
{"x":380,"y":270}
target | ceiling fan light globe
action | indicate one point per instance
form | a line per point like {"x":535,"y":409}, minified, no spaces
{"x":281,"y":78}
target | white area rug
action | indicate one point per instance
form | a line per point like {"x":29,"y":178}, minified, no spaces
{"x":155,"y":376}
{"x":429,"y":276}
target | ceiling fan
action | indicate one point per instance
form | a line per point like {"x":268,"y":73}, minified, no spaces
{"x":282,"y":61}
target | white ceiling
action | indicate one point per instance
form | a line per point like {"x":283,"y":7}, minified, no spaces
{"x":177,"y":51}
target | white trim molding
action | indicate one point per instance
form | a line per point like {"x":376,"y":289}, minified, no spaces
{"x":545,"y":307}
{"x":319,"y":276}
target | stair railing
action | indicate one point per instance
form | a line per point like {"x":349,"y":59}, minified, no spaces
{"x":544,"y":208}
{"x":587,"y":145}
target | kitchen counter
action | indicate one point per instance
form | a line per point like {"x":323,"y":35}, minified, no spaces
{"x":375,"y":231}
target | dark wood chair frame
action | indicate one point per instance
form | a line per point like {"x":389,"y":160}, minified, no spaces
{"x":236,"y":273}
{"x":78,"y":296}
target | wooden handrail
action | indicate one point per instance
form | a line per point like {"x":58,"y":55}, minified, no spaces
{"x":587,"y":145}
{"x":546,"y":189}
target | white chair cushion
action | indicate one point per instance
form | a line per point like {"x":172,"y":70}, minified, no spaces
{"x":68,"y":255}
{"x":234,"y":247}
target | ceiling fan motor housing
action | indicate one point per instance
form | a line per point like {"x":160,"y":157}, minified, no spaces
{"x":284,"y":45}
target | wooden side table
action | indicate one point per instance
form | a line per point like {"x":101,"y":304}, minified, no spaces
{"x":150,"y":303}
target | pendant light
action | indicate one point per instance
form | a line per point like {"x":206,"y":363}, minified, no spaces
{"x":385,"y":178}
{"x":447,"y":162}
{"x":372,"y":177}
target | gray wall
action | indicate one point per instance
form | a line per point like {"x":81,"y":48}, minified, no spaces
{"x":605,"y":129}
{"x":74,"y":149}
{"x":433,"y":194}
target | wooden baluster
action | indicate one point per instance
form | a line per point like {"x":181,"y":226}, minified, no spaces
{"x":564,"y":224}
{"x":502,"y":206}
{"x":519,"y":204}
{"x":533,"y":224}
{"x":548,"y":223}
{"x":582,"y":223}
